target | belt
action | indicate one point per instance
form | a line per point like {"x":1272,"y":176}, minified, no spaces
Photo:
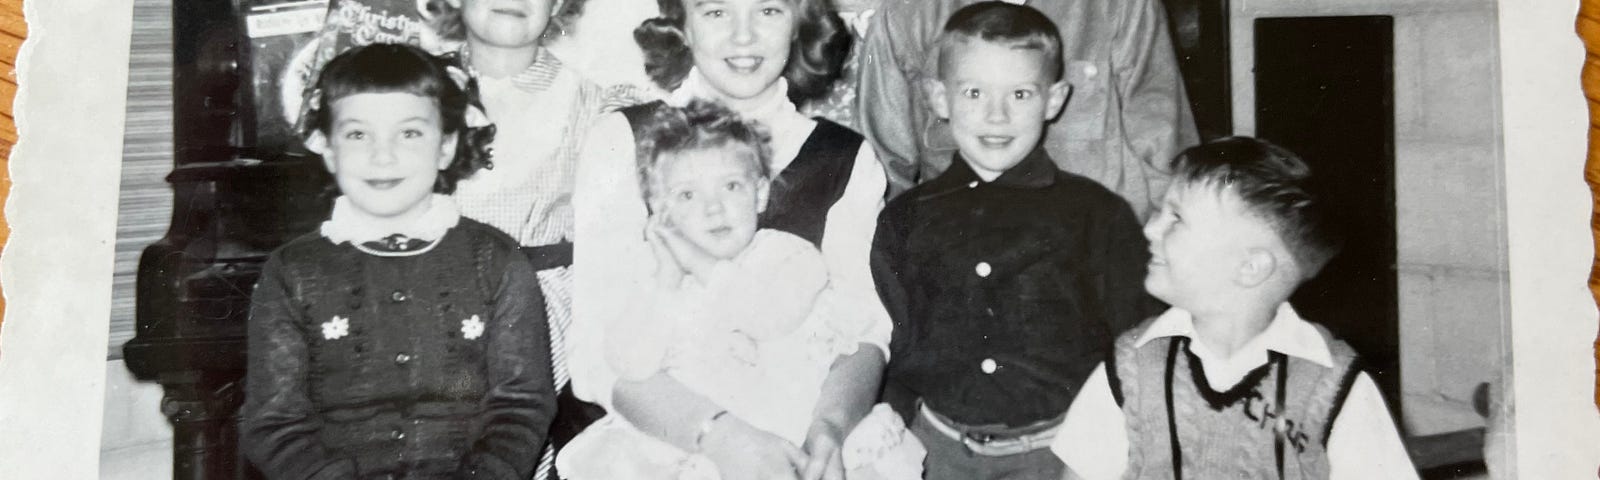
{"x":545,"y":257}
{"x":991,"y":445}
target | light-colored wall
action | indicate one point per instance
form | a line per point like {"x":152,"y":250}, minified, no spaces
{"x":1448,"y":193}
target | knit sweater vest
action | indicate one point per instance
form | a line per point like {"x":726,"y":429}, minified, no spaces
{"x":1229,"y":434}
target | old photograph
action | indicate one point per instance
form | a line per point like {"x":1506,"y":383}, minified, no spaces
{"x":811,"y":239}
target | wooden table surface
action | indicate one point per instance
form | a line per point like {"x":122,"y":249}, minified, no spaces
{"x":1589,"y":30}
{"x":12,"y":31}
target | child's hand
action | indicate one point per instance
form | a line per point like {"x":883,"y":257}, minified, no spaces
{"x":693,"y":259}
{"x":669,"y":273}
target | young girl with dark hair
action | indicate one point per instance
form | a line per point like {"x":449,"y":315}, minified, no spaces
{"x":754,"y":57}
{"x":400,"y":340}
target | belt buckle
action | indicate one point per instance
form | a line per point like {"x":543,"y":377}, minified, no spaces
{"x":975,"y":440}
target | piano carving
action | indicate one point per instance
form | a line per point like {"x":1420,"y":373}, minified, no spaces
{"x":240,"y":189}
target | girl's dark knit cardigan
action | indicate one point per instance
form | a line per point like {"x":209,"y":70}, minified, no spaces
{"x":434,"y":365}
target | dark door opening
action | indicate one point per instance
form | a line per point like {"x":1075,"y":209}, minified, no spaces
{"x":1325,"y":90}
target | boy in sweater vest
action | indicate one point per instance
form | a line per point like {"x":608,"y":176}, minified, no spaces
{"x":1231,"y":382}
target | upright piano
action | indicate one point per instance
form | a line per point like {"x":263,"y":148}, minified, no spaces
{"x":240,"y":188}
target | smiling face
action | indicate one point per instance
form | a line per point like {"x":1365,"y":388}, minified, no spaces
{"x":713,"y":197}
{"x":1199,"y":242}
{"x":740,"y":46}
{"x":997,"y":99}
{"x":504,"y":23}
{"x":385,"y":151}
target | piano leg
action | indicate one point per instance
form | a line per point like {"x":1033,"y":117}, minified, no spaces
{"x":203,"y":409}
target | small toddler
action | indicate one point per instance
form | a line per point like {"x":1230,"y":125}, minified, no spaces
{"x":739,"y":314}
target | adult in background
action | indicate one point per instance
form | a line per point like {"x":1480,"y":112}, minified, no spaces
{"x":1127,"y":113}
{"x":755,"y":57}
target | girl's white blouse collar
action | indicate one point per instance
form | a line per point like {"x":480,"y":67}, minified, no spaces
{"x":347,"y":225}
{"x":775,"y":111}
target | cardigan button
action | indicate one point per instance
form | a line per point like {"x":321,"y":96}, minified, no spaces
{"x":983,"y":269}
{"x":988,"y":366}
{"x":402,"y":359}
{"x":398,"y":296}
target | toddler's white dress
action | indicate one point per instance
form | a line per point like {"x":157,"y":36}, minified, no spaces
{"x":756,"y":337}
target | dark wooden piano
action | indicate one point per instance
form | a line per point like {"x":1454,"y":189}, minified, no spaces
{"x":240,"y":189}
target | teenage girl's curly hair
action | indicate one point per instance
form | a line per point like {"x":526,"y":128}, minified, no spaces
{"x":396,"y":68}
{"x":446,"y":20}
{"x":816,"y":56}
{"x":700,"y":125}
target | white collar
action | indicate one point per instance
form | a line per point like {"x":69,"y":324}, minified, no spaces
{"x":1287,"y":334}
{"x":347,"y":225}
{"x":775,"y":109}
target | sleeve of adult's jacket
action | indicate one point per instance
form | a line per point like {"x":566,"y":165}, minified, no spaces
{"x":886,"y":91}
{"x":279,"y":428}
{"x":1156,"y":117}
{"x":521,"y":399}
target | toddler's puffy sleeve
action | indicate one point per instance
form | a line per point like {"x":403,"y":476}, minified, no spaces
{"x":636,"y":346}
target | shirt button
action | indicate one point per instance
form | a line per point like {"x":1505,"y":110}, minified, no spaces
{"x":988,"y":366}
{"x":974,"y":184}
{"x":983,"y":269}
{"x":988,"y":311}
{"x":1090,"y":70}
{"x":402,"y":359}
{"x":398,"y":296}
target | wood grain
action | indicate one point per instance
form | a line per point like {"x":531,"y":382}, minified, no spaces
{"x":13,"y":29}
{"x":1589,"y":31}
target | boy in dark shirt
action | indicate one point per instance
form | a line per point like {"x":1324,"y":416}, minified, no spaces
{"x":1006,"y":278}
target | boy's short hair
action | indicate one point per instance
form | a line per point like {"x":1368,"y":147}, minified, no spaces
{"x":700,"y":125}
{"x":1016,"y":26}
{"x":1271,"y":181}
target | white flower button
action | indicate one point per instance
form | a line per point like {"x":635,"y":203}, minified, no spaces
{"x":337,"y":328}
{"x":472,"y":328}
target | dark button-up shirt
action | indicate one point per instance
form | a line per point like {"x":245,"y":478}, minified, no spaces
{"x":434,"y":365}
{"x":1127,"y":116}
{"x":1005,"y":294}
